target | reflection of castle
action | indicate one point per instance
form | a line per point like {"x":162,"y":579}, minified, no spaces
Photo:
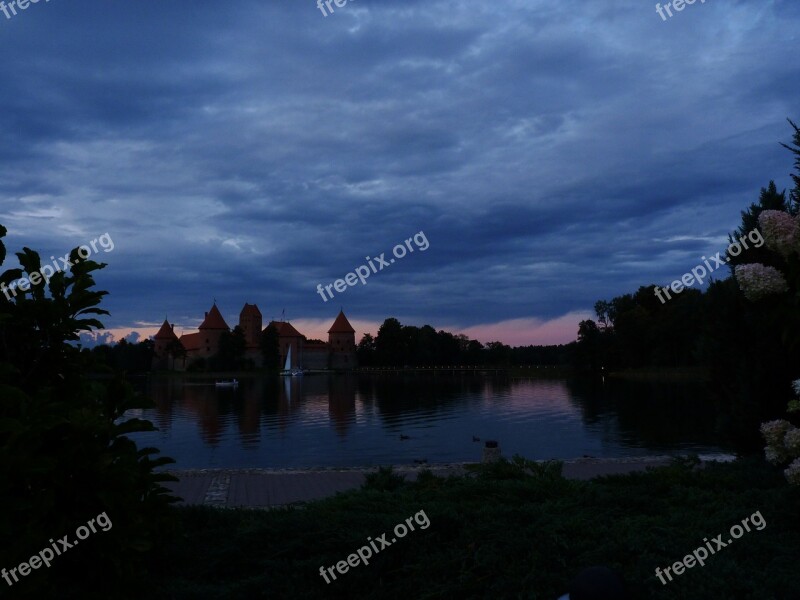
{"x":338,"y":353}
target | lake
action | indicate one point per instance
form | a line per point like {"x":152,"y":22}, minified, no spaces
{"x":358,"y":419}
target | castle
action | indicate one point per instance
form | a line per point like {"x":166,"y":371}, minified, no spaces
{"x":339,"y":352}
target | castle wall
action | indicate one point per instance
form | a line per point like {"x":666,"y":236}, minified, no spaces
{"x":315,"y":356}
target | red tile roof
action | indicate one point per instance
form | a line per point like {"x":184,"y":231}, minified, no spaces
{"x":214,"y":320}
{"x":192,"y":341}
{"x":250,"y":310}
{"x":285,"y":329}
{"x":166,"y":332}
{"x":341,"y":325}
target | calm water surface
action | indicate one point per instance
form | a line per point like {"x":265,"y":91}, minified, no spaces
{"x":355,"y":420}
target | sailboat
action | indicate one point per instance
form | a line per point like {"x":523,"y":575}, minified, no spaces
{"x":287,"y":367}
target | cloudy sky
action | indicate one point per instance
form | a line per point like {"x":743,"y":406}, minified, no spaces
{"x":553,"y":153}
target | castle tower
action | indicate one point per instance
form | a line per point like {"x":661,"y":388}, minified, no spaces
{"x":250,"y":321}
{"x":162,"y":342}
{"x":342,"y":341}
{"x":211,"y":329}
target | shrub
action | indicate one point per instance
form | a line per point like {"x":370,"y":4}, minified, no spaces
{"x":384,"y":480}
{"x":64,"y":452}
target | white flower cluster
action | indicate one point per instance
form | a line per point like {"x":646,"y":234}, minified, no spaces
{"x":781,"y":231}
{"x":758,"y":281}
{"x":783,"y":444}
{"x":782,"y":234}
{"x":793,"y":472}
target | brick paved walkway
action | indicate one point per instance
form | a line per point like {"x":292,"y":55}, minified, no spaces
{"x":257,"y":488}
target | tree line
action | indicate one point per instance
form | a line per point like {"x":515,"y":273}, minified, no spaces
{"x":397,"y":345}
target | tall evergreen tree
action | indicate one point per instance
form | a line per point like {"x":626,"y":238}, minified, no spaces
{"x":769,"y":199}
{"x":794,"y":148}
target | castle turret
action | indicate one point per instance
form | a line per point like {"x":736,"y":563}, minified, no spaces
{"x":250,"y":321}
{"x":211,"y":329}
{"x":342,"y":341}
{"x":162,"y":344}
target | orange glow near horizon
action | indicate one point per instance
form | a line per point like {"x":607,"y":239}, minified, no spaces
{"x":513,"y":332}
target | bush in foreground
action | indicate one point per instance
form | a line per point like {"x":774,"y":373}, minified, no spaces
{"x":65,"y":457}
{"x":500,"y":537}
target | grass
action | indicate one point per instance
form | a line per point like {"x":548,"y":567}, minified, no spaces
{"x":511,"y":530}
{"x":664,"y":374}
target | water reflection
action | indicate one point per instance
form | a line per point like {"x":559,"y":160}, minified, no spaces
{"x":343,"y":420}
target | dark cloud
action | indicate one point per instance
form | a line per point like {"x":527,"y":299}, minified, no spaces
{"x":553,"y":153}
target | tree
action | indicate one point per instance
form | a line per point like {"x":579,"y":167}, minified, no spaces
{"x":475,"y":352}
{"x":270,"y":348}
{"x":231,"y":351}
{"x":448,"y":348}
{"x":391,"y":344}
{"x":588,"y":349}
{"x":769,"y":199}
{"x":498,"y":353}
{"x":794,"y":148}
{"x":175,"y":350}
{"x":605,"y":312}
{"x":366,"y":351}
{"x":64,"y":452}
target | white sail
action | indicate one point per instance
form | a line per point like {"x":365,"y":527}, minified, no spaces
{"x":288,"y":364}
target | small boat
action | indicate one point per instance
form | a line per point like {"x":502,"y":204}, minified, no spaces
{"x":288,"y":371}
{"x":227,"y":383}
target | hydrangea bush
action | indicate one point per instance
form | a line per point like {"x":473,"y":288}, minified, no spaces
{"x":781,"y":232}
{"x":783,"y":442}
{"x":758,"y":281}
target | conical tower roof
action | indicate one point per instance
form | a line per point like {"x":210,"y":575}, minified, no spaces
{"x":250,"y":310}
{"x":214,"y":320}
{"x":165,"y":333}
{"x":341,"y":325}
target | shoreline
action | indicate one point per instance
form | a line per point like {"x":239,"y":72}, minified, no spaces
{"x":588,"y":460}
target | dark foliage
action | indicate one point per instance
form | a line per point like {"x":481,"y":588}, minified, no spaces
{"x":270,"y":349}
{"x":64,"y":452}
{"x":511,"y":532}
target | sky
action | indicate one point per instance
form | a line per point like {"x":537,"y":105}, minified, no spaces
{"x":551,"y":154}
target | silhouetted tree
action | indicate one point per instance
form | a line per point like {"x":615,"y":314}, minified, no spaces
{"x":769,"y":199}
{"x":65,"y":454}
{"x":366,"y":351}
{"x":230,"y":355}
{"x":794,"y":148}
{"x":391,"y":344}
{"x":270,"y":349}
